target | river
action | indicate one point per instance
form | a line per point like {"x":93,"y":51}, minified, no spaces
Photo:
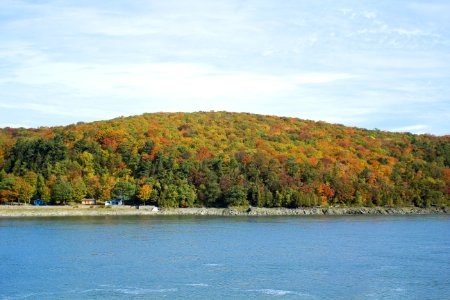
{"x":153,"y":257}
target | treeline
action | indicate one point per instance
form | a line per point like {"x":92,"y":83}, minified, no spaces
{"x":223,"y":159}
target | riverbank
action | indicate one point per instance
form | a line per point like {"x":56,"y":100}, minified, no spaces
{"x":62,"y":211}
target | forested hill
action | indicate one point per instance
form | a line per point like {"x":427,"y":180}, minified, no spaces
{"x":220,"y":159}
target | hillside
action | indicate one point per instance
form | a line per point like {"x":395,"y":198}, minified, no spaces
{"x":222,"y":159}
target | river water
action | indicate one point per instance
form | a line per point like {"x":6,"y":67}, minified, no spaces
{"x":355,"y":257}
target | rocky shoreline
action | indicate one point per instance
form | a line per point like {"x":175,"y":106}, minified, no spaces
{"x":63,"y":211}
{"x":316,"y":211}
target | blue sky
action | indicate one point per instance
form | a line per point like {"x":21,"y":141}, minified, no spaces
{"x":372,"y":64}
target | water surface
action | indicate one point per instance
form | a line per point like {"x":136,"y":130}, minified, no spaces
{"x":357,"y":257}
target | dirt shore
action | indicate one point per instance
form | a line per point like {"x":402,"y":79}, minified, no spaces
{"x":62,"y":211}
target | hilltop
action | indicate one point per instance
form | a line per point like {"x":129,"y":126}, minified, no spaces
{"x":224,"y":159}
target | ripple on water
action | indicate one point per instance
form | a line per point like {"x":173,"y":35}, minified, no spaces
{"x":198,"y":284}
{"x":140,"y":291}
{"x":275,"y":292}
{"x":127,"y":290}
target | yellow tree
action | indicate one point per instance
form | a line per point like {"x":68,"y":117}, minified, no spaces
{"x":87,"y":162}
{"x":144,"y":193}
{"x":23,"y":189}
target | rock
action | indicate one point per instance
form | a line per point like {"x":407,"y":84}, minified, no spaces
{"x":230,"y":212}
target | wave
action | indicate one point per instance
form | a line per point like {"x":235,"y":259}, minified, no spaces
{"x":38,"y":295}
{"x":387,"y":293}
{"x":274,"y":292}
{"x":23,"y":296}
{"x":197,"y":284}
{"x":140,"y":291}
{"x":127,"y":290}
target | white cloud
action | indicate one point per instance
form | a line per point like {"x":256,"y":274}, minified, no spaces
{"x":323,"y":77}
{"x":439,"y":9}
{"x":375,"y":65}
{"x":164,"y":80}
{"x":68,"y":109}
{"x":15,"y":125}
{"x":418,"y":128}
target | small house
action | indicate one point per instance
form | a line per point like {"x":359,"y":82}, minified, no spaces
{"x":88,"y":201}
{"x":112,"y":202}
{"x":39,"y":202}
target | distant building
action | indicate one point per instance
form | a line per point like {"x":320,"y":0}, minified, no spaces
{"x":39,"y":202}
{"x":88,"y":202}
{"x":113,"y":202}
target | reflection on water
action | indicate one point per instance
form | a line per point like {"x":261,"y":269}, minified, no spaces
{"x":358,"y":257}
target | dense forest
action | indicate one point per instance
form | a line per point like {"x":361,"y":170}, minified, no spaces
{"x":223,"y":159}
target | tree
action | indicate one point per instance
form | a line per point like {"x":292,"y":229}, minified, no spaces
{"x":209,"y":193}
{"x":168,"y":196}
{"x":40,"y":187}
{"x":124,"y":190}
{"x":87,"y":163}
{"x":144,"y":193}
{"x":186,"y":194}
{"x":62,"y":191}
{"x":236,"y":196}
{"x":31,"y":178}
{"x":7,"y":193}
{"x":93,"y":187}
{"x":23,"y":189}
{"x":79,"y":189}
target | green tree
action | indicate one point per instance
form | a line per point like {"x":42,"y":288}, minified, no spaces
{"x":186,"y":194}
{"x":79,"y":189}
{"x":61,"y":191}
{"x":236,"y":196}
{"x":168,"y":196}
{"x":40,"y":187}
{"x":124,"y":190}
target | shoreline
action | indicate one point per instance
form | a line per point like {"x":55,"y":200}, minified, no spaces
{"x":67,"y":211}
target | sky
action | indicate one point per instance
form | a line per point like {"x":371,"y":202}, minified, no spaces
{"x":372,"y":64}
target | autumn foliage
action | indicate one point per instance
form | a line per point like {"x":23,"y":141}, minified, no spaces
{"x":220,"y":159}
